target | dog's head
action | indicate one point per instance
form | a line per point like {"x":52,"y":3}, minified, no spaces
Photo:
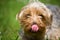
{"x":35,"y":17}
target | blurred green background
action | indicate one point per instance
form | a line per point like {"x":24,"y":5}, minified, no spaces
{"x":9,"y":26}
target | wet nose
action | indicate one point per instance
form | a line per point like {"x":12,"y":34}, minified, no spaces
{"x":34,"y":23}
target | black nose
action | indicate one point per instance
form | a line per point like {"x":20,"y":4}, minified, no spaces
{"x":34,"y":23}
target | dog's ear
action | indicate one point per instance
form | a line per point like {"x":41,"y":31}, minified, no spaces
{"x":51,"y":19}
{"x":19,"y":15}
{"x":49,"y":16}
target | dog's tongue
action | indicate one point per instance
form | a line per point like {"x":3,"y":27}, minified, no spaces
{"x":35,"y":28}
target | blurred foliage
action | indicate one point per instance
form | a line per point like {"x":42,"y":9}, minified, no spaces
{"x":9,"y":26}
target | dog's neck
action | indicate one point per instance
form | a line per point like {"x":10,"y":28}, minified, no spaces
{"x":36,"y":37}
{"x":32,"y":37}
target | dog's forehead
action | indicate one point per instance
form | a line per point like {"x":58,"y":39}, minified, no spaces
{"x":33,"y":10}
{"x":37,"y":5}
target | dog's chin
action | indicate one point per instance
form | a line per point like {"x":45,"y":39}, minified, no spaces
{"x":31,"y":31}
{"x":34,"y":31}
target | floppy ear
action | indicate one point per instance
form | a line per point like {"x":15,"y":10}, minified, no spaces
{"x":50,"y":16}
{"x":51,"y":19}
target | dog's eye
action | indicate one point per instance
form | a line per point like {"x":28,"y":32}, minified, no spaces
{"x":41,"y":16}
{"x":28,"y":15}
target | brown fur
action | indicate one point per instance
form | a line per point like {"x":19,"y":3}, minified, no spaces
{"x":33,"y":15}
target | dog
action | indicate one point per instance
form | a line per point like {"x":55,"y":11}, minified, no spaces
{"x":34,"y":20}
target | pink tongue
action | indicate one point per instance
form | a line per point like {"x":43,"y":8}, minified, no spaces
{"x":35,"y":28}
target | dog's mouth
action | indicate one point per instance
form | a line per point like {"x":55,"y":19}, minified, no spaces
{"x":34,"y":28}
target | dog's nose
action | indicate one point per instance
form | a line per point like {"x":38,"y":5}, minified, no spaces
{"x":34,"y":23}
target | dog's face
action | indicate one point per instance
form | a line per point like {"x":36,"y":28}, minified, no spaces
{"x":34,"y":20}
